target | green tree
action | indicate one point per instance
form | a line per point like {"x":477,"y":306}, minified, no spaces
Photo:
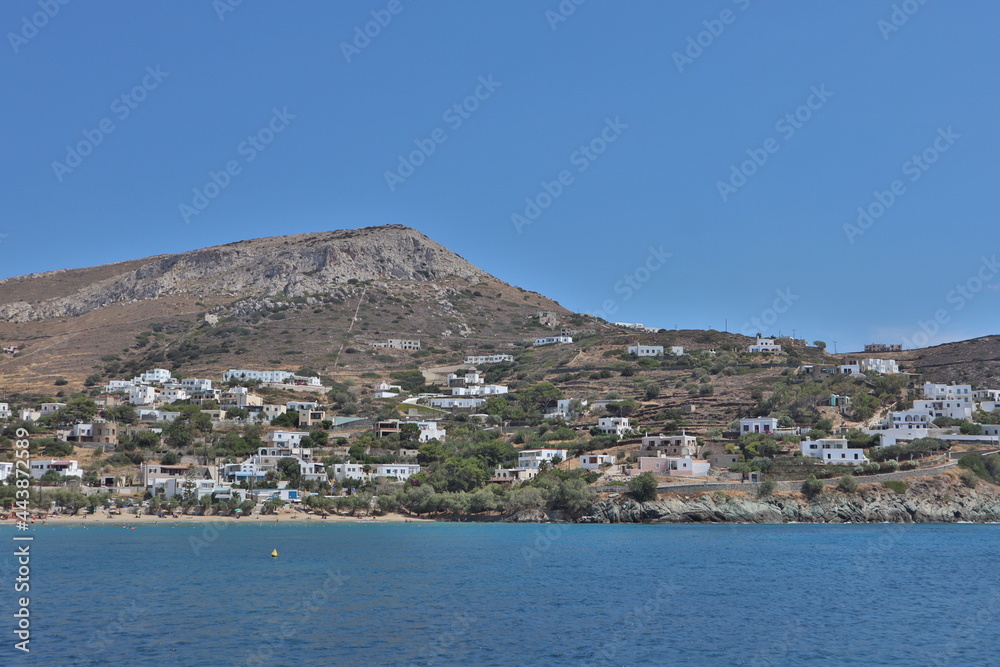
{"x":123,"y":414}
{"x":643,"y":487}
{"x":812,"y":487}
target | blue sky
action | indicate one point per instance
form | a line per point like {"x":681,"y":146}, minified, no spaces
{"x":698,"y":164}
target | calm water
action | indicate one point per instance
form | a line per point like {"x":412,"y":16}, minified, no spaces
{"x":488,"y":594}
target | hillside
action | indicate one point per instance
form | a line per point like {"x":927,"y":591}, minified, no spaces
{"x":301,"y":301}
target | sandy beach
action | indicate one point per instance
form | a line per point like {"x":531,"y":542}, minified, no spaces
{"x":289,"y":516}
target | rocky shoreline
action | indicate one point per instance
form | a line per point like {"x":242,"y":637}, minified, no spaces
{"x":940,"y":499}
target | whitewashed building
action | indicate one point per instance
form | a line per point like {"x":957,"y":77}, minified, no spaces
{"x":614,"y":425}
{"x":646,"y":350}
{"x":758,"y":425}
{"x":764,"y":345}
{"x":595,"y":461}
{"x":63,"y":467}
{"x":533,"y":458}
{"x":483,"y":359}
{"x":552,"y":340}
{"x":833,"y":450}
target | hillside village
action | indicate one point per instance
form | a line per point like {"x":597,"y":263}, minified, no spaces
{"x":549,"y":425}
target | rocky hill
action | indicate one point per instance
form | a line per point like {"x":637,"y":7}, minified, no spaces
{"x":941,"y":498}
{"x":286,"y":266}
{"x":303,"y":301}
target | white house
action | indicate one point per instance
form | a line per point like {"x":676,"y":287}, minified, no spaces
{"x":833,"y":450}
{"x":51,"y":408}
{"x":880,"y":366}
{"x":276,"y":377}
{"x":456,"y":402}
{"x":386,"y":390}
{"x":480,"y":390}
{"x":399,"y":471}
{"x":614,"y":425}
{"x":196,"y":384}
{"x":953,"y":409}
{"x":511,"y":475}
{"x":117,"y":386}
{"x":142,"y":394}
{"x":671,"y":445}
{"x":159,"y":375}
{"x":430,"y":431}
{"x":171,"y":394}
{"x":948,"y":392}
{"x":758,"y":425}
{"x":764,"y":345}
{"x":631,"y":325}
{"x":677,"y":350}
{"x":301,"y":406}
{"x":152,"y":416}
{"x":5,"y":411}
{"x":550,"y":340}
{"x":489,"y":359}
{"x":595,"y":461}
{"x":6,"y":470}
{"x":562,"y":409}
{"x":533,"y":458}
{"x":285,"y":438}
{"x":66,"y":468}
{"x":674,"y":466}
{"x":849,"y":369}
{"x":992,"y":395}
{"x":646,"y":350}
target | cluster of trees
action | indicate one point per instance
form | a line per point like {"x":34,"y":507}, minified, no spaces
{"x":917,"y":449}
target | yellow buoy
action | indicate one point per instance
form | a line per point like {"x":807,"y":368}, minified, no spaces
{"x":274,"y":554}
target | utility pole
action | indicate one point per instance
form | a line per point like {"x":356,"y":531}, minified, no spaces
{"x":835,"y":347}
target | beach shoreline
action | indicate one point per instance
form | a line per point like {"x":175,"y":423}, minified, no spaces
{"x":104,"y":519}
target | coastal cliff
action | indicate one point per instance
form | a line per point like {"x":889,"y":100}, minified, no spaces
{"x":938,"y":499}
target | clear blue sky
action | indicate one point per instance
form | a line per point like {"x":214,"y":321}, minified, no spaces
{"x":675,"y":118}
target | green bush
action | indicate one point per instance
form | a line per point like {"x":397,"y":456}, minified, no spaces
{"x":848,"y":484}
{"x":896,"y":485}
{"x":812,"y":487}
{"x":969,"y":478}
{"x":643,"y":487}
{"x":766,"y":488}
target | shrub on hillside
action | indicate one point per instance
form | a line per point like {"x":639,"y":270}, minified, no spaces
{"x":848,"y":484}
{"x":812,"y":487}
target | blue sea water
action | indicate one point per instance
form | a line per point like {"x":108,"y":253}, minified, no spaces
{"x":500,"y":594}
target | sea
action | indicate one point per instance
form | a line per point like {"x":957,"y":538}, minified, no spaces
{"x":377,"y":593}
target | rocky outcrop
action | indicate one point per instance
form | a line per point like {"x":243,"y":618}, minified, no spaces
{"x":936,"y":500}
{"x":288,"y":266}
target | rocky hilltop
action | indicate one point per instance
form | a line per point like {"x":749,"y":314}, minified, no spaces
{"x":289,"y":266}
{"x":936,"y":499}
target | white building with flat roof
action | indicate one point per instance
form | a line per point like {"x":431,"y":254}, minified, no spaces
{"x":533,"y":458}
{"x":614,"y":425}
{"x":483,"y":359}
{"x":552,"y":340}
{"x":764,"y":345}
{"x":758,"y":425}
{"x":646,"y":350}
{"x":833,"y":450}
